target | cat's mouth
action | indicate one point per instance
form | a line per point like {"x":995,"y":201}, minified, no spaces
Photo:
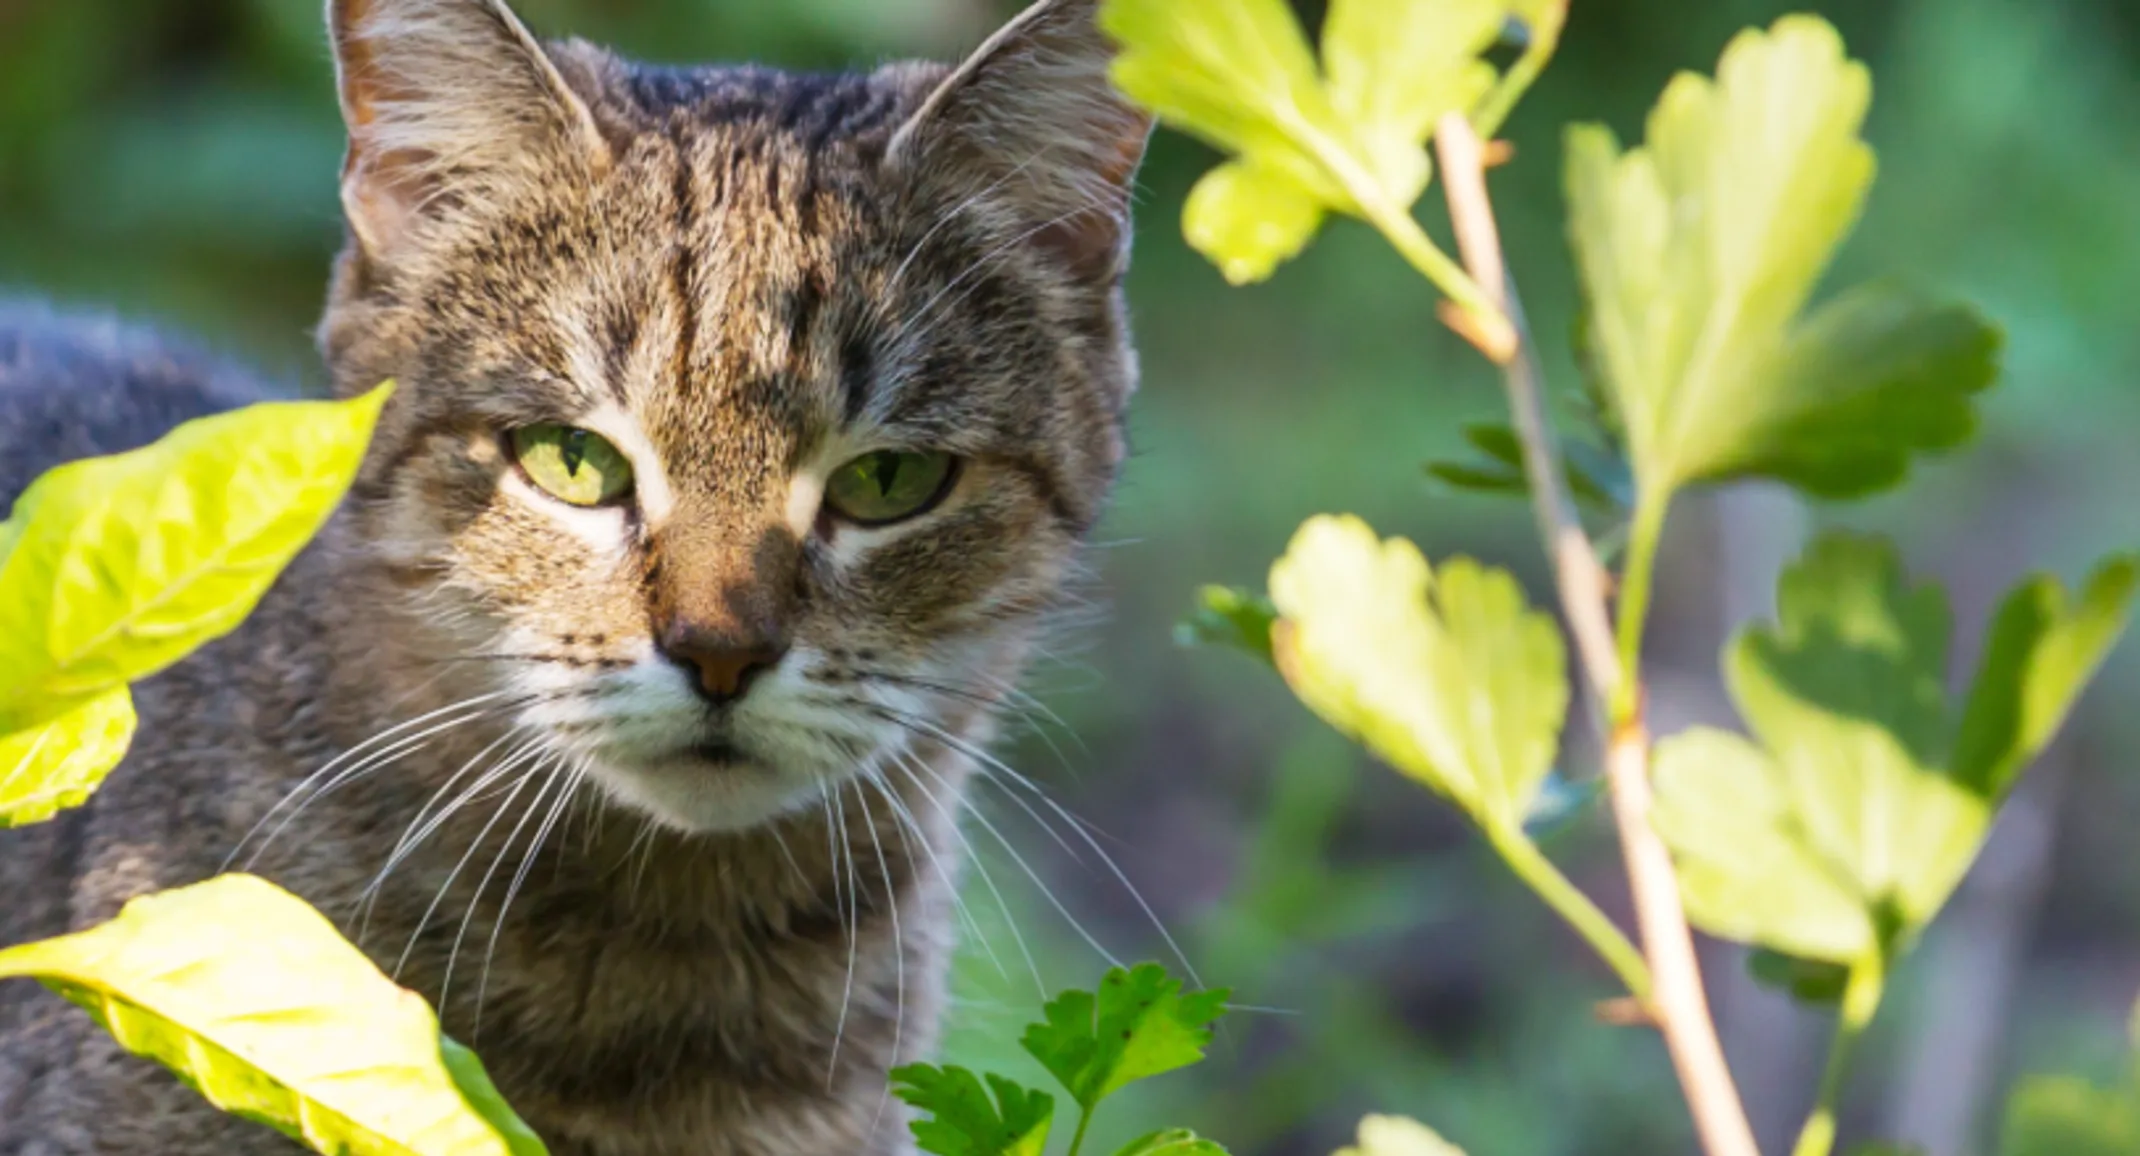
{"x":717,"y":751}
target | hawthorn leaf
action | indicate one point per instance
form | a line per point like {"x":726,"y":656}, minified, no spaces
{"x":1450,"y":678}
{"x":123,"y":565}
{"x":1174,"y":1142}
{"x":966,"y":1121}
{"x":1249,"y":219}
{"x":299,"y":1031}
{"x":1399,"y":1136}
{"x":57,"y":764}
{"x":1138,"y":1024}
{"x":1700,"y":249}
{"x":2068,"y":1116}
{"x":1229,"y":616}
{"x":2040,"y":654}
{"x":1396,"y":67}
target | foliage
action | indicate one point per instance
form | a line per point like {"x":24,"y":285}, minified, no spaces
{"x":1138,"y":1024}
{"x":115,"y":568}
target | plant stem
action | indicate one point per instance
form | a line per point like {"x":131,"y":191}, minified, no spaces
{"x":1545,"y":37}
{"x":1644,"y":532}
{"x":1677,"y":1002}
{"x":1084,"y":1121}
{"x":1861,"y":998}
{"x":1605,"y":937}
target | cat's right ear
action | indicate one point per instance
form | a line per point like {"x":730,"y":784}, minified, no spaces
{"x":450,"y":104}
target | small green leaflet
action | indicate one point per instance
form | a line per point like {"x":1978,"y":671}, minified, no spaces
{"x":1229,"y":616}
{"x":2068,"y":1116}
{"x":1306,"y":138}
{"x":1699,"y":252}
{"x":1399,"y":1136}
{"x":59,"y":763}
{"x":1137,"y":1025}
{"x":1597,"y":477}
{"x":1173,"y":1142}
{"x":1449,"y":677}
{"x":1844,"y":828}
{"x":965,"y":1121}
{"x":298,"y":1031}
{"x":123,"y":565}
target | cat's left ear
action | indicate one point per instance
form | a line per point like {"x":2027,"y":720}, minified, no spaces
{"x":1030,"y":119}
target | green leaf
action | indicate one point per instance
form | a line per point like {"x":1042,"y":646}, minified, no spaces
{"x":1303,"y":140}
{"x":1698,"y":253}
{"x":1399,"y":1136}
{"x":2068,"y":1116}
{"x":1174,"y":1142}
{"x":297,"y":1031}
{"x":1229,"y":616}
{"x":1450,"y":678}
{"x":2039,"y":655}
{"x":966,"y":1122}
{"x":1596,"y":476}
{"x":1806,"y":980}
{"x":1139,"y":1024}
{"x":1846,"y":828}
{"x":126,"y":564}
{"x":59,"y":763}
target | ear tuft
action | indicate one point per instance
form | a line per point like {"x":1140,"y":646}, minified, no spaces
{"x":447,"y":103}
{"x":1033,"y":116}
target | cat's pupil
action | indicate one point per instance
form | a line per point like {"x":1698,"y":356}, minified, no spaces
{"x":883,"y":470}
{"x":573,"y":450}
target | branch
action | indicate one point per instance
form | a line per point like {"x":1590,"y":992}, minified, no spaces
{"x":1678,"y":1002}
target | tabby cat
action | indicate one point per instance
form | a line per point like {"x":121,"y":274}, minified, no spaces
{"x":748,"y":427}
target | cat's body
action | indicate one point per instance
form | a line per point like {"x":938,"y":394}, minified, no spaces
{"x":707,"y":740}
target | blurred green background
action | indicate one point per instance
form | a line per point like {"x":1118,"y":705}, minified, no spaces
{"x":177,"y":158}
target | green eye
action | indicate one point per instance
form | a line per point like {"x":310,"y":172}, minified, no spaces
{"x":887,"y":486}
{"x":572,"y":465}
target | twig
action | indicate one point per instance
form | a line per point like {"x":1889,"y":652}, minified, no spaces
{"x":1678,"y":1002}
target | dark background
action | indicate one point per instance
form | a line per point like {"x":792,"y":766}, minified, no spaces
{"x":177,"y":158}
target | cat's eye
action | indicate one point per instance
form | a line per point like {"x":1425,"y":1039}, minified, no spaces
{"x":572,"y":465}
{"x":889,"y":486}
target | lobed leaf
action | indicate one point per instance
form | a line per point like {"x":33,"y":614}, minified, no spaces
{"x":57,"y":764}
{"x":1227,"y":616}
{"x":1451,"y":679}
{"x":1174,"y":1142}
{"x":299,"y":1031}
{"x":1845,"y":828}
{"x":2068,"y":1116}
{"x":965,"y":1121}
{"x":122,"y":565}
{"x":1699,"y":251}
{"x":1138,"y":1024}
{"x":1399,"y":1136}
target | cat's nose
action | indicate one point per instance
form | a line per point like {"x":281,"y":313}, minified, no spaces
{"x":724,"y":670}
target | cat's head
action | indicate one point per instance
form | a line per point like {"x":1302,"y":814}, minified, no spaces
{"x":748,"y":422}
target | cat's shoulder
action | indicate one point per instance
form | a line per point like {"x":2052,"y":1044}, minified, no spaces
{"x":76,"y":383}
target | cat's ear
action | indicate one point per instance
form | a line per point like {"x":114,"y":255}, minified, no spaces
{"x":449,"y":103}
{"x":1031,"y":118}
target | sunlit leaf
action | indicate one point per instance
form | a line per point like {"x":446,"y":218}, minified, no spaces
{"x":297,"y":1031}
{"x":1304,"y":138}
{"x":964,"y":1121}
{"x":125,"y":564}
{"x":1848,"y":824}
{"x":1227,"y":616}
{"x":1699,"y":251}
{"x":1399,"y":1136}
{"x":1174,"y":1142}
{"x":1138,"y":1024}
{"x":1450,"y":677}
{"x":59,"y":763}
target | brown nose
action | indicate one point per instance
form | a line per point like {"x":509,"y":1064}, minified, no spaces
{"x":725,"y":671}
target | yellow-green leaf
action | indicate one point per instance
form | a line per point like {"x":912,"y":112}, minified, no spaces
{"x":1172,"y":1142}
{"x":1248,"y":221}
{"x":1396,"y":67}
{"x":255,"y":1000}
{"x":59,"y":763}
{"x":1399,"y":1136}
{"x":1699,"y":251}
{"x":122,"y":565}
{"x":1450,"y":677}
{"x":1844,"y":831}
